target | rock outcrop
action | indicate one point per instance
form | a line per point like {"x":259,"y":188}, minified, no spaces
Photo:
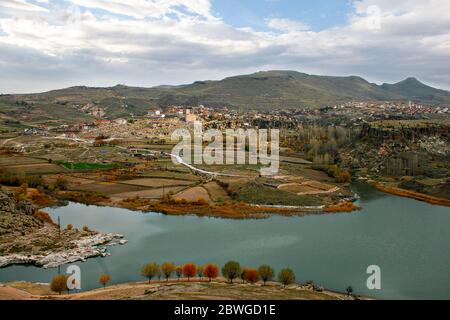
{"x":26,"y":239}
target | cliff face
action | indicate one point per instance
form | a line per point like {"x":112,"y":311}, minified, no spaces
{"x":409,"y":134}
{"x":397,"y":149}
{"x":16,"y":218}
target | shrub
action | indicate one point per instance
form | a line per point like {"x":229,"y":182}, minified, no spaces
{"x":200,"y":271}
{"x":59,"y":284}
{"x":179,"y":272}
{"x":211,"y":271}
{"x":349,"y":290}
{"x":104,"y":279}
{"x":189,"y":270}
{"x":61,"y":183}
{"x":266,"y":273}
{"x":231,"y":270}
{"x":150,"y":270}
{"x":286,"y":276}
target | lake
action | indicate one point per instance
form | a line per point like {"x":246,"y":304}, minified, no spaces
{"x":408,"y":239}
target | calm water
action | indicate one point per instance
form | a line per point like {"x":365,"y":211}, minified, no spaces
{"x":409,"y":240}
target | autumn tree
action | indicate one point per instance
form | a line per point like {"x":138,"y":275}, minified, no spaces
{"x":69,"y":227}
{"x":231,"y":270}
{"x":286,"y":276}
{"x":104,"y":279}
{"x":167,"y":269}
{"x":266,"y":273}
{"x":189,"y":270}
{"x":251,"y":276}
{"x":150,"y":270}
{"x":211,"y":271}
{"x":59,"y":284}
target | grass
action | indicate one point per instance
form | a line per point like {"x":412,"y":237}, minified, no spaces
{"x":87,"y":166}
{"x":258,"y":194}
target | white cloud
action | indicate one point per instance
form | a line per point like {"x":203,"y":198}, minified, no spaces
{"x":286,"y":25}
{"x":22,"y":5}
{"x":177,"y":41}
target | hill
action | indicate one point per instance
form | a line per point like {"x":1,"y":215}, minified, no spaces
{"x":259,"y":91}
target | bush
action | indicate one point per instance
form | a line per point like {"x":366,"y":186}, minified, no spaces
{"x":200,"y":271}
{"x":286,"y":276}
{"x":61,"y":183}
{"x":59,"y":284}
{"x":179,"y":272}
{"x":231,"y":270}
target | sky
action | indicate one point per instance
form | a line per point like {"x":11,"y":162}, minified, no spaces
{"x":50,"y":44}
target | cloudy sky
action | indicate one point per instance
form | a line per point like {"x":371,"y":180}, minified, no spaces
{"x":48,"y":44}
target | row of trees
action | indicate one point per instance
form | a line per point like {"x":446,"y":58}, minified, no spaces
{"x":231,"y":270}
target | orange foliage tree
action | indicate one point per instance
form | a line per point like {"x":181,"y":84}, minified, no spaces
{"x":189,"y":270}
{"x":211,"y":271}
{"x":167,"y":269}
{"x":104,"y":279}
{"x":251,"y":276}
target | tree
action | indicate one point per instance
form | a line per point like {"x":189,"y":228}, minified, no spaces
{"x":266,"y":273}
{"x":179,"y":272}
{"x":349,"y":290}
{"x":286,"y":276}
{"x":69,"y":227}
{"x":59,"y":284}
{"x":251,"y":276}
{"x":104,"y":279}
{"x":211,"y":271}
{"x":231,"y":270}
{"x":167,"y":269}
{"x":200,"y":271}
{"x":150,"y":270}
{"x":189,"y":270}
{"x":345,"y":177}
{"x":61,"y":183}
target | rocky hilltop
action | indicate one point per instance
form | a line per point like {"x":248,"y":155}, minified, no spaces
{"x":413,"y":155}
{"x":28,"y":236}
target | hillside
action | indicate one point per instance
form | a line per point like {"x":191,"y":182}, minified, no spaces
{"x":175,"y":290}
{"x":262,"y":90}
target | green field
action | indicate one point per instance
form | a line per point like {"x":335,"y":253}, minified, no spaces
{"x":87,"y":166}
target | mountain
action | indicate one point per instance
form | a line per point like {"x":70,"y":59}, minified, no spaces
{"x":264,"y":90}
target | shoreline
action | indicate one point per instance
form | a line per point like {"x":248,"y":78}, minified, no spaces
{"x":409,"y":194}
{"x":85,"y":248}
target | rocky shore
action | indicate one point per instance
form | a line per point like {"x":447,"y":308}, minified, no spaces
{"x":27,"y":236}
{"x":84,"y":248}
